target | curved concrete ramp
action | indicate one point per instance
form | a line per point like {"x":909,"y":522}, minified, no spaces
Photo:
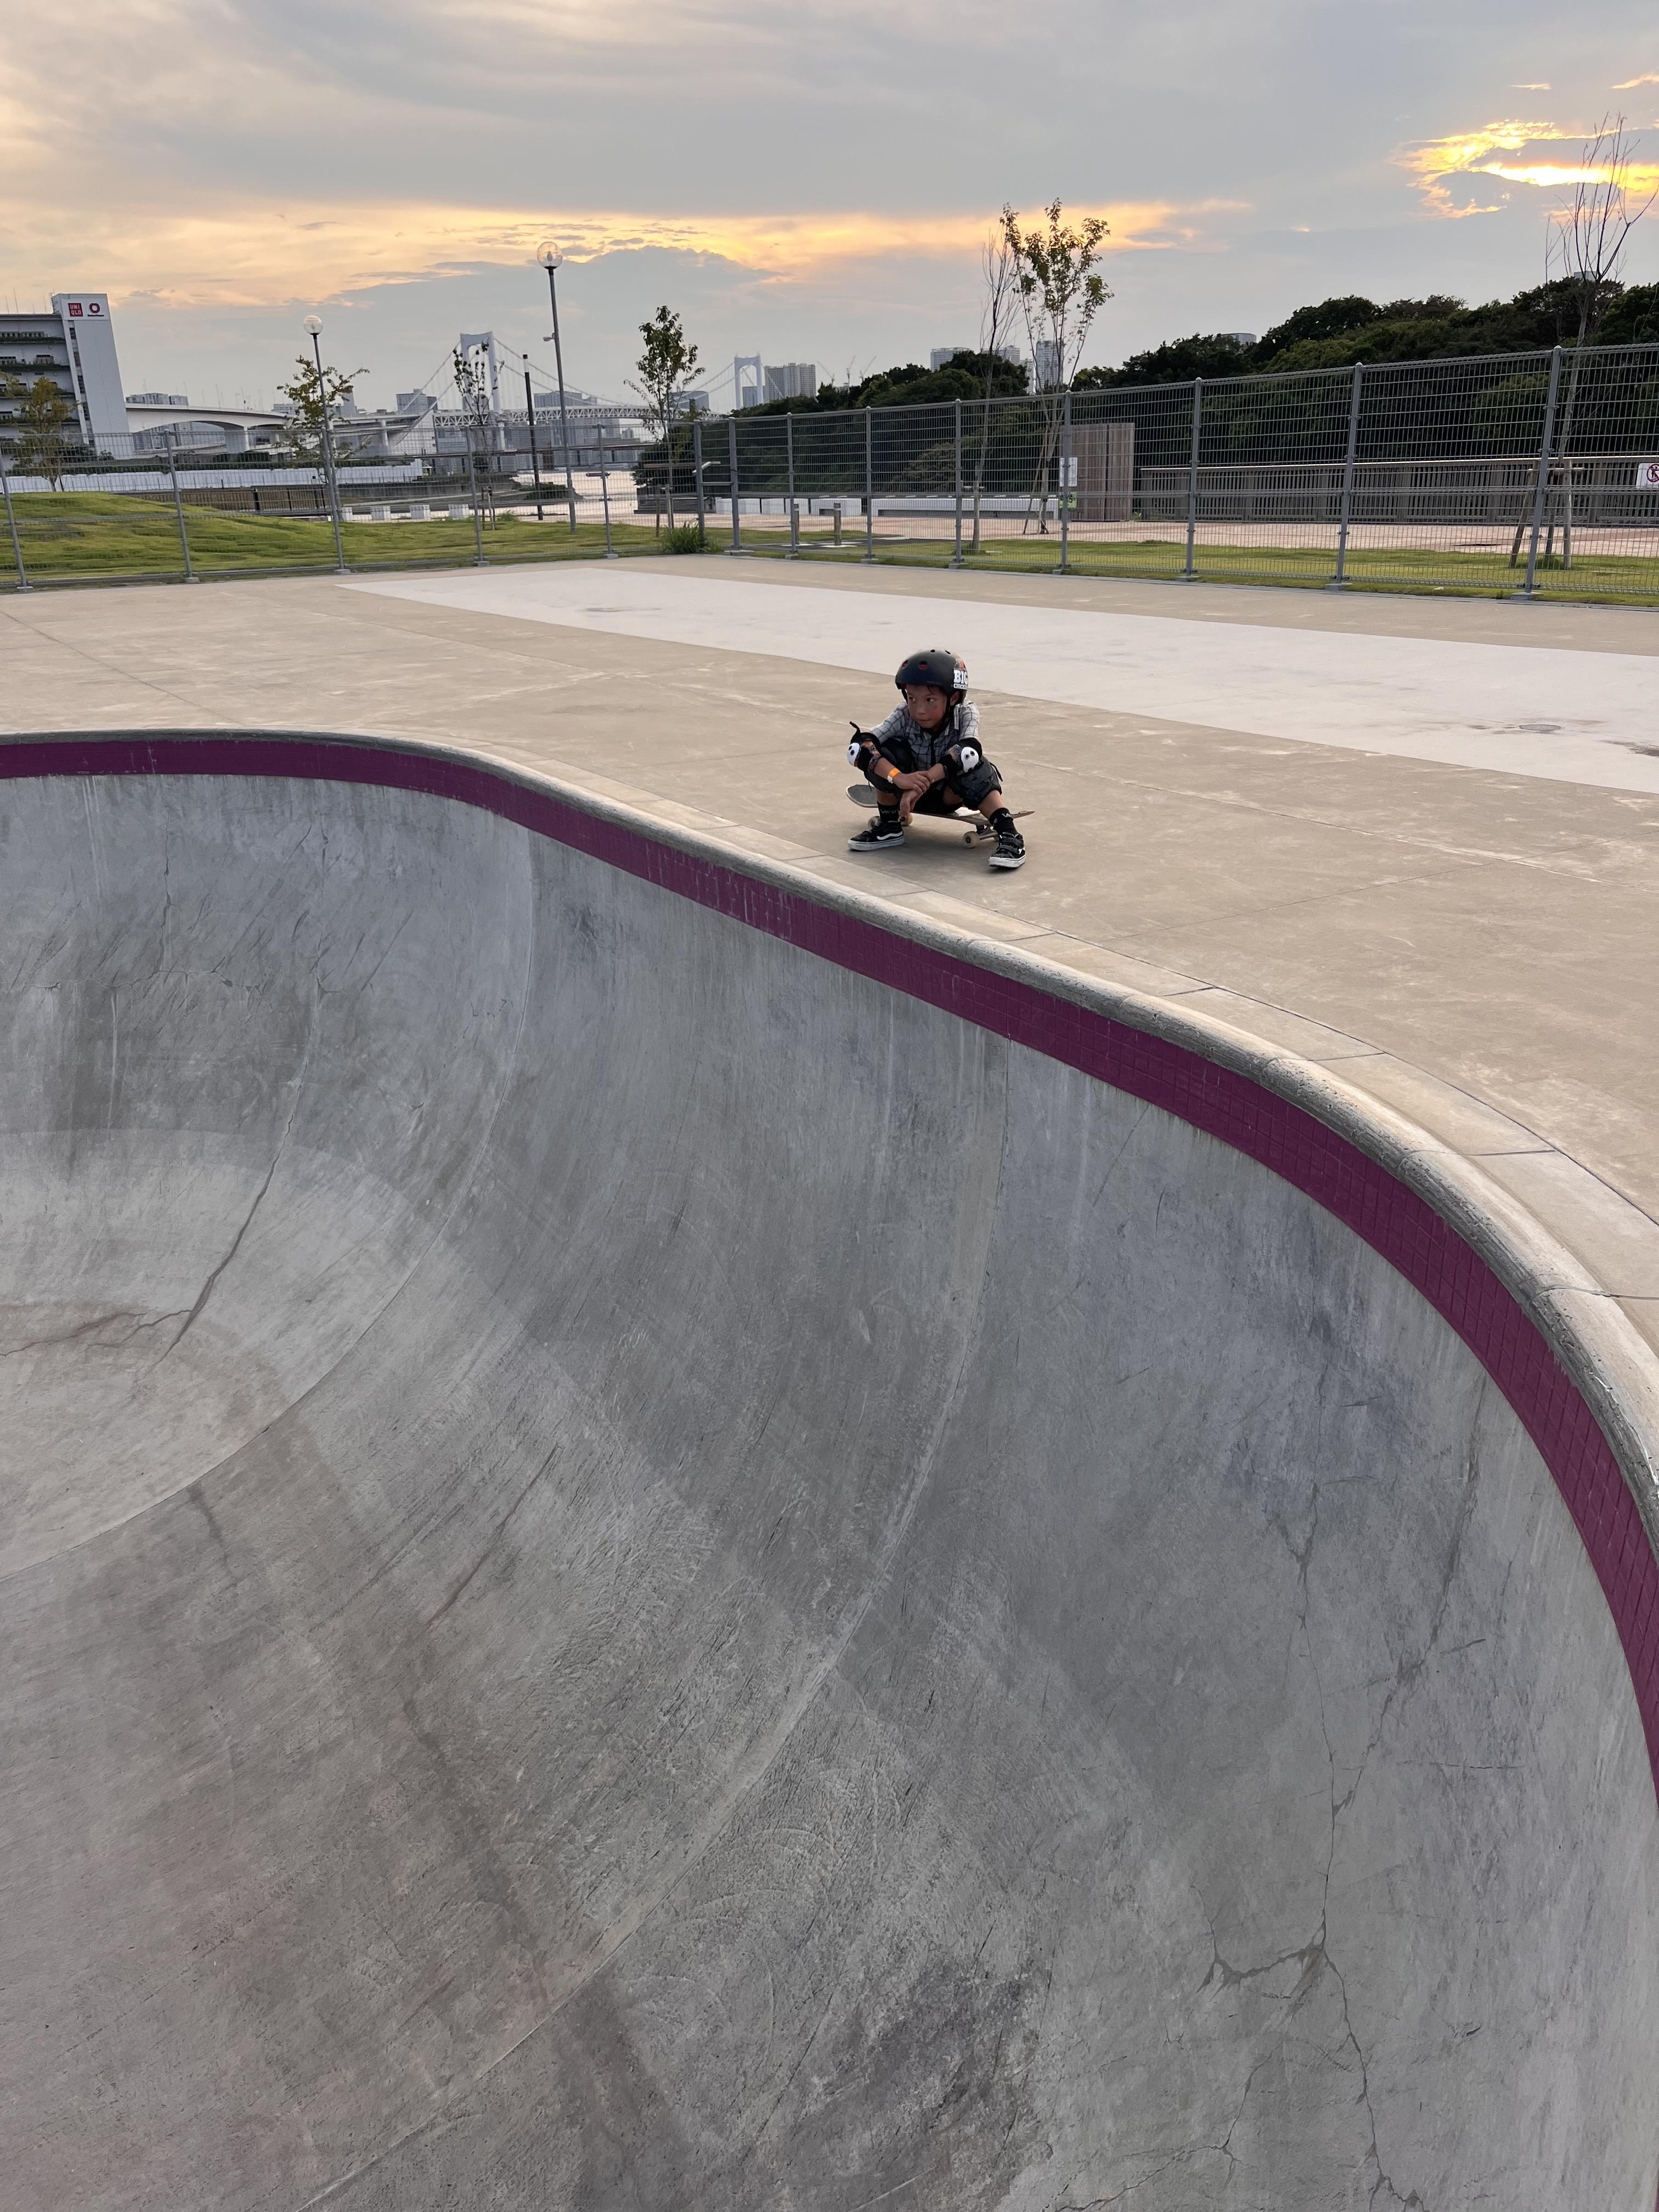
{"x":671,"y":1544}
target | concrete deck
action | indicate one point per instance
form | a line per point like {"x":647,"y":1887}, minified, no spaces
{"x":1472,"y":943}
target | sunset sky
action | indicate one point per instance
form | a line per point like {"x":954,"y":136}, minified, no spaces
{"x":804,"y":178}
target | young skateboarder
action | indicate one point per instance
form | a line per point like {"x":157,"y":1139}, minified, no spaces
{"x":925,"y":758}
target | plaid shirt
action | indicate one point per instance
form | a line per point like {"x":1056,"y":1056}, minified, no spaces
{"x":927,"y":747}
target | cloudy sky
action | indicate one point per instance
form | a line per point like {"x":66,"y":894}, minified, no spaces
{"x":800,"y":179}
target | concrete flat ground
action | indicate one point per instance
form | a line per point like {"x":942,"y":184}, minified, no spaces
{"x":1417,"y":839}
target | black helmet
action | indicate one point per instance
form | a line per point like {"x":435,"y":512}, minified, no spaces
{"x":938,"y":667}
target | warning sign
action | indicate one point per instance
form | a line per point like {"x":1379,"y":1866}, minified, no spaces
{"x":1647,"y":475}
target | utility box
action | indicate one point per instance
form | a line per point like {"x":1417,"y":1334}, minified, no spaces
{"x":1105,"y":455}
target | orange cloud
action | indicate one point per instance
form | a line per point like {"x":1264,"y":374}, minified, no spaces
{"x":259,"y":256}
{"x":1433,"y":165}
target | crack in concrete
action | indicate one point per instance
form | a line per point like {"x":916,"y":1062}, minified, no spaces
{"x":87,"y":1328}
{"x":206,"y":1289}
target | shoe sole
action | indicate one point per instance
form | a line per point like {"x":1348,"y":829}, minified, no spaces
{"x":998,"y":862}
{"x":881,"y":845}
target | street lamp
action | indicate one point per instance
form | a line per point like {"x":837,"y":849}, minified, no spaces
{"x":549,"y":256}
{"x":313,"y":327}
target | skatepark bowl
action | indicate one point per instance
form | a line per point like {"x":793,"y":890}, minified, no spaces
{"x":677,"y":1540}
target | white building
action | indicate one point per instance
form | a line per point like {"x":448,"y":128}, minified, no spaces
{"x":72,"y":346}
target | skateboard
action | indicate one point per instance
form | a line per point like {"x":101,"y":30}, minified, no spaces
{"x":863,"y":794}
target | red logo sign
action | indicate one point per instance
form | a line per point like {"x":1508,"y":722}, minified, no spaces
{"x":75,"y":307}
{"x":94,"y":309}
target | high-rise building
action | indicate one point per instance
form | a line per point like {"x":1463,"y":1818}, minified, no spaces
{"x":1046,"y":363}
{"x":793,"y":380}
{"x":72,"y":345}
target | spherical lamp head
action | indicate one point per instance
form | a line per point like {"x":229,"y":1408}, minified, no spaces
{"x":312,"y":324}
{"x":549,"y":256}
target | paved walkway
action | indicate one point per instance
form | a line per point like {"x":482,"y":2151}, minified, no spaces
{"x":1417,"y":839}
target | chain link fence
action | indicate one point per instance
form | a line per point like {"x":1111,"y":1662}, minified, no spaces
{"x":1534,"y":473}
{"x":169,"y":506}
{"x":1528,"y":473}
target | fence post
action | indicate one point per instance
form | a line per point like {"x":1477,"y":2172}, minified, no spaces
{"x":732,"y":443}
{"x":611,"y":553}
{"x":955,"y":558}
{"x":472,"y":479}
{"x":535,"y":463}
{"x":178,"y":509}
{"x":1545,"y":467}
{"x":869,"y":490}
{"x":1065,"y":484}
{"x":332,"y":484}
{"x":23,"y":583}
{"x":794,"y":516}
{"x":1191,"y":476}
{"x":696,"y":471}
{"x":1341,"y":575}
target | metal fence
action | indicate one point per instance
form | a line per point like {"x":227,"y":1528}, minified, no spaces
{"x":1532,"y":473}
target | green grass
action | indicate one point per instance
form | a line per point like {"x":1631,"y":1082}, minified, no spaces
{"x":1421,"y":570}
{"x":84,"y":537}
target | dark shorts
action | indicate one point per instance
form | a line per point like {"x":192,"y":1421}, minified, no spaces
{"x":962,"y":786}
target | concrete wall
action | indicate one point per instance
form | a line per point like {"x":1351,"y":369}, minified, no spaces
{"x":645,"y":1571}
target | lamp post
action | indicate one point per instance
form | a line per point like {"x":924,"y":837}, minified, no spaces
{"x":313,"y":324}
{"x":549,"y":256}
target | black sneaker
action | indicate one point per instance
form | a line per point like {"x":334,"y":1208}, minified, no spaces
{"x":1010,"y":850}
{"x":886,"y":830}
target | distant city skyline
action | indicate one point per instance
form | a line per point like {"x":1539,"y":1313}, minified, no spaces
{"x":775,"y":176}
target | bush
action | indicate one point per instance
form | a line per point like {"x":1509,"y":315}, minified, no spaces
{"x":683,"y":537}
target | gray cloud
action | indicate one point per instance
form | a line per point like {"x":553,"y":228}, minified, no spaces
{"x":434,"y":137}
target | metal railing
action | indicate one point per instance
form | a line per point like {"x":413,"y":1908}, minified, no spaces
{"x":1525,"y":474}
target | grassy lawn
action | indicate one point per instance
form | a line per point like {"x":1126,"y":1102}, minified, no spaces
{"x":1422,"y":570}
{"x":84,"y":535}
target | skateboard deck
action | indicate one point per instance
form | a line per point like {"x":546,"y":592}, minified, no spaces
{"x":863,"y":794}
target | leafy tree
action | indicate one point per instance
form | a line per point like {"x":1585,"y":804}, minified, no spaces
{"x":1061,"y":291}
{"x":907,"y":384}
{"x":1331,"y":318}
{"x":43,"y":415}
{"x":665,"y":366}
{"x":1633,"y":318}
{"x":313,"y":400}
{"x":1177,"y":361}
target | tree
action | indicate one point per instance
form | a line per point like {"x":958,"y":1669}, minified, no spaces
{"x":477,"y":425}
{"x":664,"y":368}
{"x":1330,"y":318}
{"x":312,"y":401}
{"x":1177,"y":361}
{"x":1585,"y":246}
{"x":1060,"y":292}
{"x":1000,"y":272}
{"x":42,"y":416}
